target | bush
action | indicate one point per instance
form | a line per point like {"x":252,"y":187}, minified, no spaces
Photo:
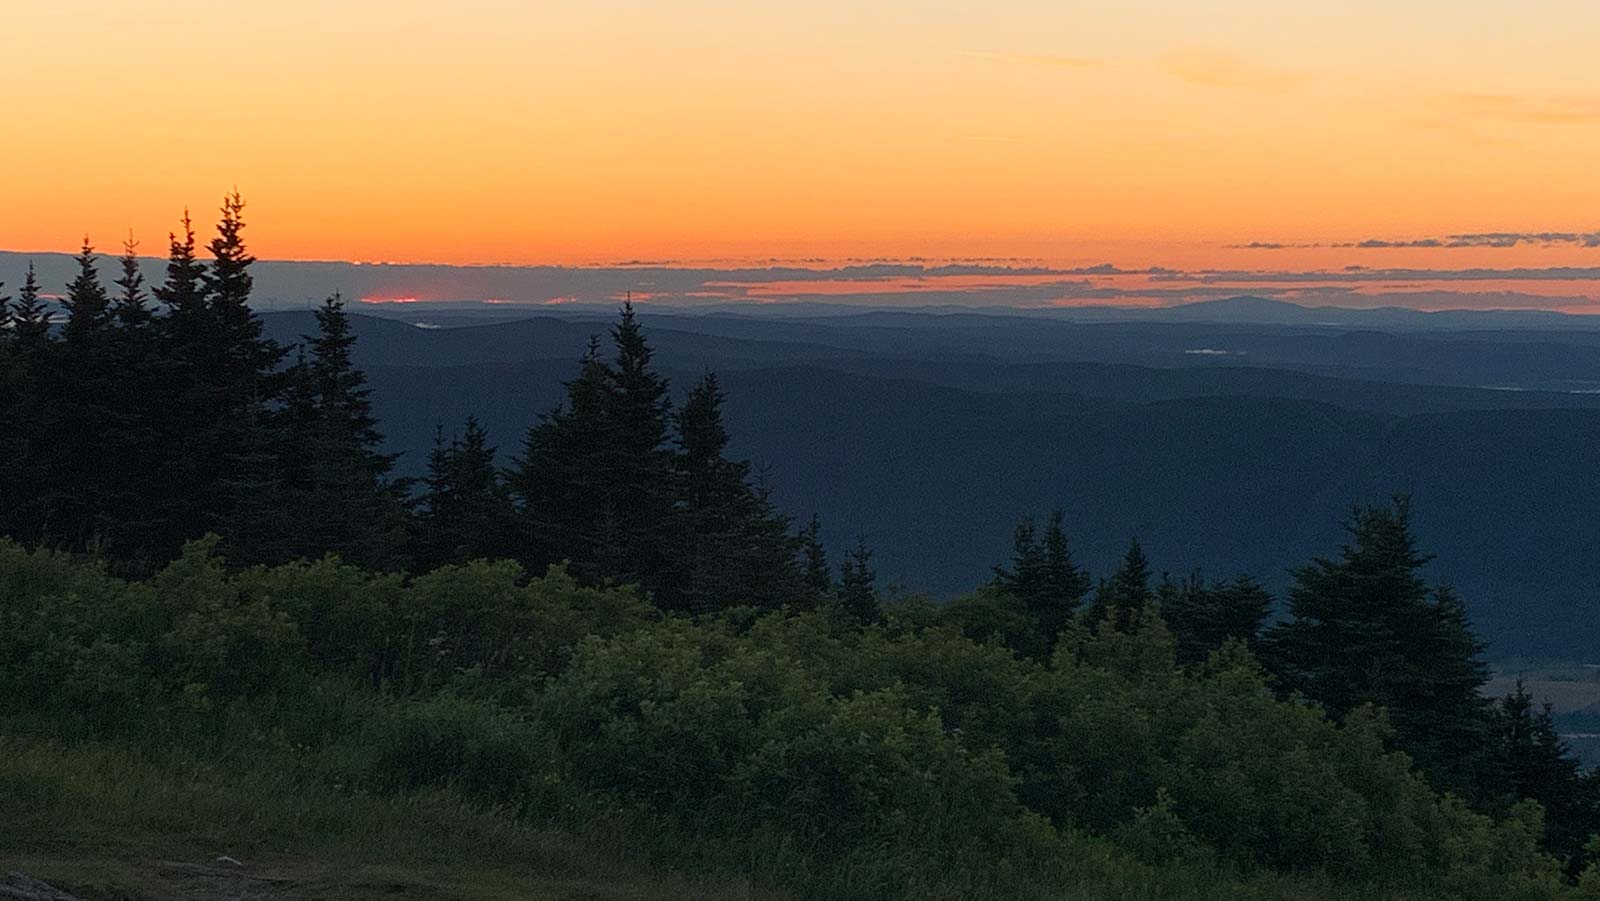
{"x":905,"y":758}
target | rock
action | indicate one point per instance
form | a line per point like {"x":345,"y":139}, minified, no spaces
{"x":16,"y":886}
{"x":226,"y":861}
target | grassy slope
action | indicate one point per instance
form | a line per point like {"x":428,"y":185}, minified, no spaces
{"x":105,"y":823}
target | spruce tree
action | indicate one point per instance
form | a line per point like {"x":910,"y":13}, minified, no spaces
{"x":735,"y":548}
{"x":136,"y":437}
{"x":243,"y":361}
{"x":87,"y":304}
{"x":235,"y":385}
{"x":1121,"y":599}
{"x":559,"y":480}
{"x":1024,"y":579}
{"x":858,"y":591}
{"x":1535,"y":763}
{"x":1203,"y":617}
{"x":1043,"y":577}
{"x":639,"y":465}
{"x":30,"y":321}
{"x":83,"y":380}
{"x":187,"y":482}
{"x":331,"y":479}
{"x":182,"y":294}
{"x":29,"y":415}
{"x":1365,"y":628}
{"x":465,"y":511}
{"x":818,"y":575}
{"x":1065,"y":584}
{"x":595,"y":483}
{"x":131,"y":307}
{"x":14,"y":445}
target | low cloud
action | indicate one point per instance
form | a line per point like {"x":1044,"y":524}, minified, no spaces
{"x":904,"y":284}
{"x":1444,"y":242}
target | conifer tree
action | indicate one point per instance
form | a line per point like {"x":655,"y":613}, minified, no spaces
{"x":1024,"y":579}
{"x":14,"y":449}
{"x":30,"y":322}
{"x":342,"y":392}
{"x":639,"y":464}
{"x":559,"y":480}
{"x":1204,"y":617}
{"x":858,"y":591}
{"x":29,"y":416}
{"x":1043,"y":577}
{"x":131,"y":307}
{"x":331,"y":481}
{"x":818,"y":575}
{"x":234,"y":383}
{"x":1365,"y":628}
{"x":182,"y":294}
{"x":87,"y":304}
{"x":1535,"y":763}
{"x":243,"y":361}
{"x":465,"y":511}
{"x":187,"y":489}
{"x":595,"y":483}
{"x":83,"y":380}
{"x":1121,"y":599}
{"x":1065,"y":584}
{"x":735,"y":547}
{"x":136,"y":441}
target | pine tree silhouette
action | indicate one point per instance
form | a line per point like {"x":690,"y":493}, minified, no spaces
{"x":330,"y":491}
{"x":30,"y":322}
{"x":559,"y":480}
{"x":818,"y":575}
{"x":735,"y":548}
{"x":1204,"y":617}
{"x":1365,"y":628}
{"x":1533,"y":762}
{"x":30,"y":418}
{"x":465,"y":511}
{"x":1126,"y":594}
{"x":858,"y":592}
{"x":234,"y":382}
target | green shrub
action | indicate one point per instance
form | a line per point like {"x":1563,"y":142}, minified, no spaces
{"x":902,"y":759}
{"x":477,"y":748}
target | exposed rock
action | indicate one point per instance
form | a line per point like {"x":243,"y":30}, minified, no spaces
{"x":16,"y":886}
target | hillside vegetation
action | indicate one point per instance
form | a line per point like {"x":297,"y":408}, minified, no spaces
{"x":315,"y":709}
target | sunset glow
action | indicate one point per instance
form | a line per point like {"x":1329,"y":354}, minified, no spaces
{"x":1147,"y":133}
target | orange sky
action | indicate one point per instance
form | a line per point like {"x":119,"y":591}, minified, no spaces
{"x":1146,"y":132}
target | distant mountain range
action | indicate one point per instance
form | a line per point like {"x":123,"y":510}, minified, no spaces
{"x":475,"y":293}
{"x":929,"y":433}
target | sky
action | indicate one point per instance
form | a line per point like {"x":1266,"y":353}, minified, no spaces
{"x":1235,"y":136}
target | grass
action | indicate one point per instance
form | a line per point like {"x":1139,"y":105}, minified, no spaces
{"x":109,"y":823}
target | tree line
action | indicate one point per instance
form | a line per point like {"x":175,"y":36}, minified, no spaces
{"x":143,"y":417}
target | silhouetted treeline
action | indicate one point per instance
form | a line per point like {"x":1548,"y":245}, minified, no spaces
{"x":144,"y":419}
{"x":138,"y":422}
